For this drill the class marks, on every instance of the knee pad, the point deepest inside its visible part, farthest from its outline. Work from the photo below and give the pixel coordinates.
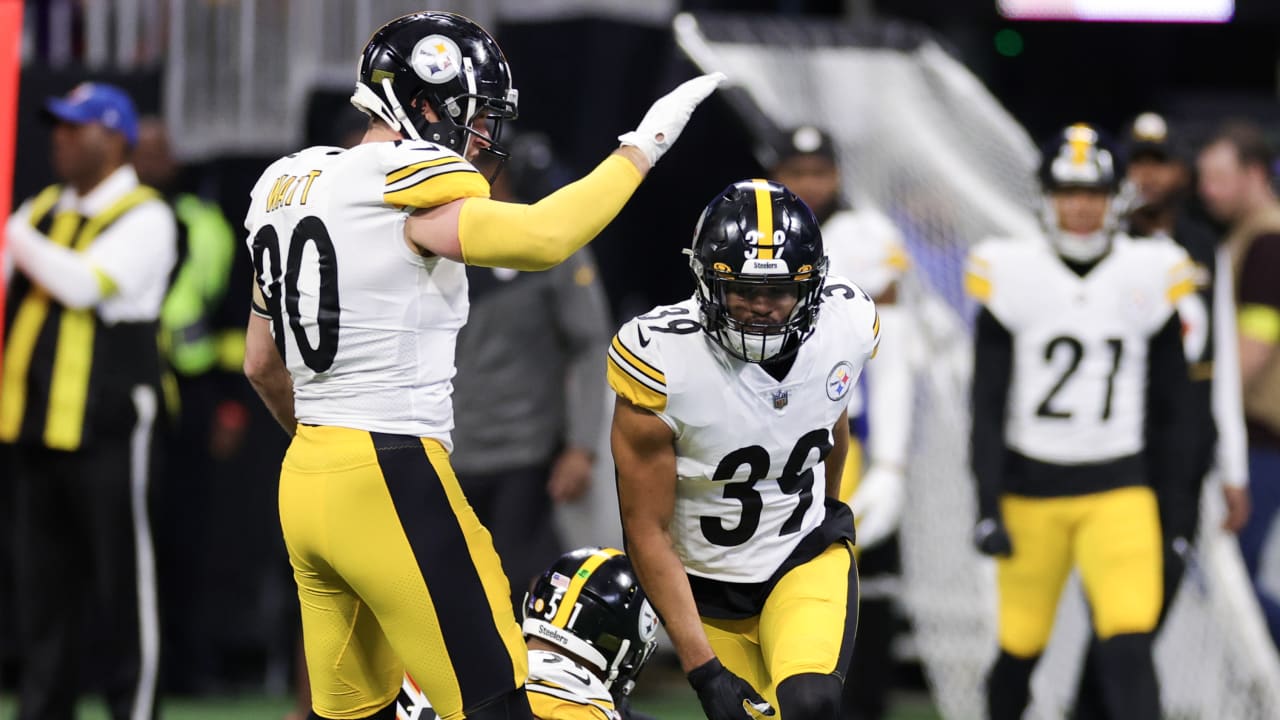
(1127, 677)
(810, 696)
(511, 706)
(1009, 686)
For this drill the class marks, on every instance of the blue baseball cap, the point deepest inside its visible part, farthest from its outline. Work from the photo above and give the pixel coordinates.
(99, 103)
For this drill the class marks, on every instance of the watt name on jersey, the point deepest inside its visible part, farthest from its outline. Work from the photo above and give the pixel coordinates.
(558, 688)
(365, 325)
(1078, 392)
(749, 448)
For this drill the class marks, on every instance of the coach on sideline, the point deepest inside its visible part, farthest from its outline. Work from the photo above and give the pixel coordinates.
(78, 404)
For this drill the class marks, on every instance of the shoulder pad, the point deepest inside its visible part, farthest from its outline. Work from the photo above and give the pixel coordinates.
(981, 265)
(851, 304)
(1179, 278)
(422, 174)
(635, 367)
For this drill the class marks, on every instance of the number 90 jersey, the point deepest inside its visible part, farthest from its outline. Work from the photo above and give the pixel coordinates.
(749, 448)
(1079, 385)
(366, 326)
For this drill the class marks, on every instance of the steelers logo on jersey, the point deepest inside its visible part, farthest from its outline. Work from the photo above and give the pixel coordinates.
(436, 59)
(839, 380)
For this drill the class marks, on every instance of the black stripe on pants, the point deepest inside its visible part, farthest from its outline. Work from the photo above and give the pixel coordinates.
(480, 659)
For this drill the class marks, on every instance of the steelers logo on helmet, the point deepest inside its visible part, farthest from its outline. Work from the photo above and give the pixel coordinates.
(757, 241)
(436, 59)
(648, 622)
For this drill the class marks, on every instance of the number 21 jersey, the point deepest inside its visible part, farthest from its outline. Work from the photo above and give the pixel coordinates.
(749, 448)
(1078, 391)
(366, 326)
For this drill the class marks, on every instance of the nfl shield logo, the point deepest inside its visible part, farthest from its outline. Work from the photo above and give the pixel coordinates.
(780, 399)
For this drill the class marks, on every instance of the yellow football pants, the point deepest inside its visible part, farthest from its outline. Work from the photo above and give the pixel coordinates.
(394, 573)
(807, 626)
(1112, 537)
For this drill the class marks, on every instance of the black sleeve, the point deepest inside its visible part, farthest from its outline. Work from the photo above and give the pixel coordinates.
(1171, 432)
(992, 370)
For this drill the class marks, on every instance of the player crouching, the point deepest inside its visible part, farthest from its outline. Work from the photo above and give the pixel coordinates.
(590, 630)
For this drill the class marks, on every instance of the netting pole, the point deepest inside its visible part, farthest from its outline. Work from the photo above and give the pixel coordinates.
(10, 61)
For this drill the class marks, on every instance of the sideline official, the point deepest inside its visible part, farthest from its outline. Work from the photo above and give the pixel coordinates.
(92, 256)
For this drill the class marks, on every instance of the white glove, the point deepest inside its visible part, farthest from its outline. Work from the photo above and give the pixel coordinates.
(668, 115)
(877, 504)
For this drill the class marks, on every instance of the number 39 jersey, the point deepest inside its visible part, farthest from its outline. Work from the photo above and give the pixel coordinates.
(749, 448)
(1078, 392)
(366, 326)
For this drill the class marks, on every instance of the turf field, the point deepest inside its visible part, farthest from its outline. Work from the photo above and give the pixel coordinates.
(677, 705)
(661, 693)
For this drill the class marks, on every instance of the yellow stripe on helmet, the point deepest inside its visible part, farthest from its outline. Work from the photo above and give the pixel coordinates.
(764, 219)
(580, 578)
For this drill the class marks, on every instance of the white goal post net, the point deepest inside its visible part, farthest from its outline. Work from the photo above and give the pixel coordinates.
(923, 141)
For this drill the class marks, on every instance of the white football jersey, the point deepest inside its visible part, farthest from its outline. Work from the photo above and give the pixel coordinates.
(558, 688)
(1078, 392)
(367, 326)
(865, 246)
(749, 448)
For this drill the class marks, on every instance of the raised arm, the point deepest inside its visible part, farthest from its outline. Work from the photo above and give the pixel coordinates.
(480, 231)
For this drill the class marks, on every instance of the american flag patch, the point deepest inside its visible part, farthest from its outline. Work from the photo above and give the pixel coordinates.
(559, 581)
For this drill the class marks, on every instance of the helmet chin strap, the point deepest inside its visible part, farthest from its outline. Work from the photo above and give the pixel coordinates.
(398, 111)
(468, 70)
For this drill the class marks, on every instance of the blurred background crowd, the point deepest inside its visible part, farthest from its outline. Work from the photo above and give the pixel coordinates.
(946, 152)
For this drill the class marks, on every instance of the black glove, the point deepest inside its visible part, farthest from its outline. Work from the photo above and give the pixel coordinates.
(725, 696)
(990, 537)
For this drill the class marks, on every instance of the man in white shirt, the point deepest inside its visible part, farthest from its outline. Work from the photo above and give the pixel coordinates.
(92, 257)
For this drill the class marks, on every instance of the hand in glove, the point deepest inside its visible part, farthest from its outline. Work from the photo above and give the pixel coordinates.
(668, 115)
(877, 504)
(725, 696)
(991, 538)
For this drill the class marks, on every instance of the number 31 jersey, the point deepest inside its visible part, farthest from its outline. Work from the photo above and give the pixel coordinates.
(366, 326)
(1078, 391)
(749, 448)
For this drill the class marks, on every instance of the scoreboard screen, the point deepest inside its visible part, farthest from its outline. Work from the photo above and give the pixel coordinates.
(1187, 11)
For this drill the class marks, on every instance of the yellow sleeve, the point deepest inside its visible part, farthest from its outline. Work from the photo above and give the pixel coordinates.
(546, 233)
(634, 372)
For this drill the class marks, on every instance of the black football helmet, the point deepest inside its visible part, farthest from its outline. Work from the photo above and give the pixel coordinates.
(590, 604)
(445, 61)
(757, 233)
(1078, 157)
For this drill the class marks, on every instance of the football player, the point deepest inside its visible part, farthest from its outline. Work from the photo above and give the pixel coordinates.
(728, 404)
(590, 631)
(1158, 178)
(864, 246)
(358, 257)
(1080, 404)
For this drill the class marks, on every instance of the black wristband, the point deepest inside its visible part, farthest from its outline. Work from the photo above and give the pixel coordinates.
(702, 674)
